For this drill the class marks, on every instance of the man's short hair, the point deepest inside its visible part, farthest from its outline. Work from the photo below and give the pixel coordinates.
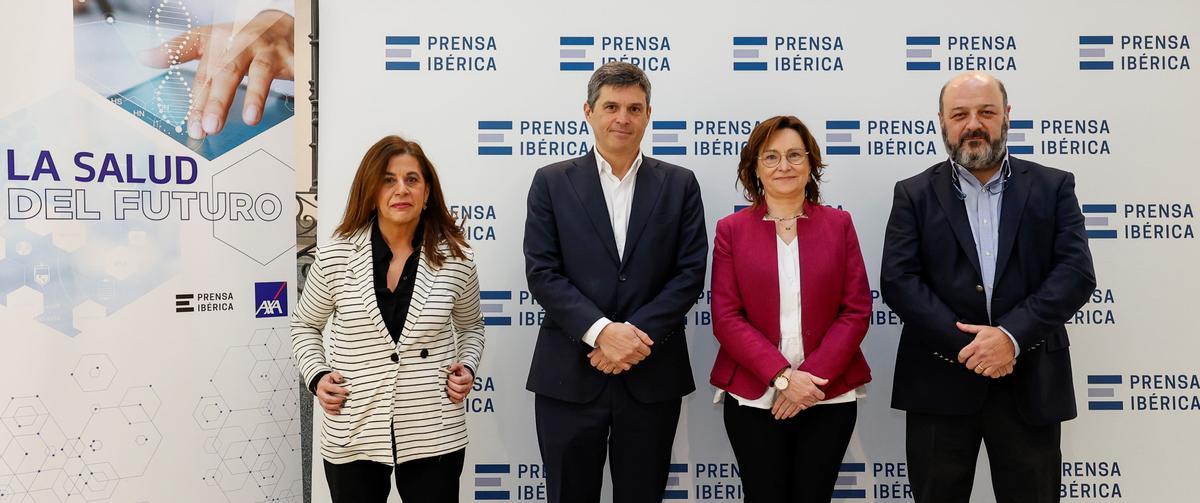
(616, 74)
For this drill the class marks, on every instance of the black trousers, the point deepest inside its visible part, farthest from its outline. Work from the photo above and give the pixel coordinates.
(427, 480)
(574, 439)
(793, 460)
(1026, 460)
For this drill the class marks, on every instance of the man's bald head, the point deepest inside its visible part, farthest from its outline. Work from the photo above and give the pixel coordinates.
(971, 79)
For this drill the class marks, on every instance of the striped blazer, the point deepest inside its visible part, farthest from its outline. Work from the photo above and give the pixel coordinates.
(388, 382)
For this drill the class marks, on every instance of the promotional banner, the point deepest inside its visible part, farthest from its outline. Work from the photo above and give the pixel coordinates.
(494, 91)
(146, 259)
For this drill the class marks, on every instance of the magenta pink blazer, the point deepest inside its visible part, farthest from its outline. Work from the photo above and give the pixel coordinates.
(835, 301)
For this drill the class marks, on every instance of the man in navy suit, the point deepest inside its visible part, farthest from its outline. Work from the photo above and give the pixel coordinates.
(615, 252)
(985, 259)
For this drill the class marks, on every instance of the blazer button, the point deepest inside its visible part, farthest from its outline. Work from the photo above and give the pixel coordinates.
(424, 353)
(979, 288)
(621, 278)
(395, 357)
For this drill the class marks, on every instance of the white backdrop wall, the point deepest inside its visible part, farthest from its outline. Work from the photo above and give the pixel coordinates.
(494, 90)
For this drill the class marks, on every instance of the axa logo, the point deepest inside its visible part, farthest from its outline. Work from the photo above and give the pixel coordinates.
(270, 299)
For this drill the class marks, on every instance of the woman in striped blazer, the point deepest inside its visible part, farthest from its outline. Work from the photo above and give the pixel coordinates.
(406, 336)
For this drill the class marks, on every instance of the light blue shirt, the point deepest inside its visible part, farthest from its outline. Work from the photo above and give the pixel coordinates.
(982, 202)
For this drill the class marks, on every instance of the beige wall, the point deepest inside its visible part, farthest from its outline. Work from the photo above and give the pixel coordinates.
(303, 72)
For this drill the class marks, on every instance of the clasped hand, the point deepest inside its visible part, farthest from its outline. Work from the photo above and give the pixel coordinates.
(801, 393)
(991, 354)
(619, 347)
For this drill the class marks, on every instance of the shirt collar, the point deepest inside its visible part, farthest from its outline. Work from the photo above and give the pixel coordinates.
(605, 168)
(999, 177)
(381, 252)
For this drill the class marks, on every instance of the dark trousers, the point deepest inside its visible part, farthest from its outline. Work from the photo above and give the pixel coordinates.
(637, 437)
(793, 460)
(426, 480)
(1026, 460)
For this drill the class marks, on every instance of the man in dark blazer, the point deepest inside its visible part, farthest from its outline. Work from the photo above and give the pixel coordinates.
(985, 259)
(615, 252)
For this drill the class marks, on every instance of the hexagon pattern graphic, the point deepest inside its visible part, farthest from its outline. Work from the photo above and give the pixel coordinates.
(67, 275)
(253, 421)
(253, 448)
(251, 228)
(94, 372)
(41, 463)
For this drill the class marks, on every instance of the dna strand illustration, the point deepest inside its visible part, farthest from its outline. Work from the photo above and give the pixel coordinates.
(173, 25)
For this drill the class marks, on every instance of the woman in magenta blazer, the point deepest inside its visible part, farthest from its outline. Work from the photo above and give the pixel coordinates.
(790, 305)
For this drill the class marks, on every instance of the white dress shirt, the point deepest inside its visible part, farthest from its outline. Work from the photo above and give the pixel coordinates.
(618, 197)
(983, 204)
(790, 342)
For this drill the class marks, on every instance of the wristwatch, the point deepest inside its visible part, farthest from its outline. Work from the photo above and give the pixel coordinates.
(781, 380)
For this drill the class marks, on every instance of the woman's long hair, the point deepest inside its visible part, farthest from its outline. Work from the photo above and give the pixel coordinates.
(438, 223)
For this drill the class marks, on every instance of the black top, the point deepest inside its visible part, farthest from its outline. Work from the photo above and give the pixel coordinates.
(393, 304)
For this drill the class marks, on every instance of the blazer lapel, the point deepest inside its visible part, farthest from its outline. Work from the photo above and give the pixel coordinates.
(584, 175)
(426, 276)
(362, 277)
(1011, 209)
(808, 235)
(956, 213)
(764, 265)
(646, 192)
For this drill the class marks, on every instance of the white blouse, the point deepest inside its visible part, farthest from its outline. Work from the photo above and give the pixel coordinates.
(790, 343)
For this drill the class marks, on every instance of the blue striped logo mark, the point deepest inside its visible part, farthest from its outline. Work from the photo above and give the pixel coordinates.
(1097, 219)
(492, 304)
(488, 478)
(748, 54)
(847, 484)
(750, 66)
(750, 41)
(1102, 392)
(923, 41)
(676, 488)
(403, 40)
(398, 52)
(1093, 52)
(492, 136)
(1018, 138)
(666, 137)
(838, 136)
(918, 53)
(573, 54)
(1095, 65)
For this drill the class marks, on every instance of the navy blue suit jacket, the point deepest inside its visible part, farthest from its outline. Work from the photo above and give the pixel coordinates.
(573, 271)
(931, 278)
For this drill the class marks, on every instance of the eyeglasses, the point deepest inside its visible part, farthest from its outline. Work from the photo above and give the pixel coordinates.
(772, 158)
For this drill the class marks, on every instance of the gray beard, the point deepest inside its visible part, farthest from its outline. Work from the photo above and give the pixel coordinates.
(979, 160)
